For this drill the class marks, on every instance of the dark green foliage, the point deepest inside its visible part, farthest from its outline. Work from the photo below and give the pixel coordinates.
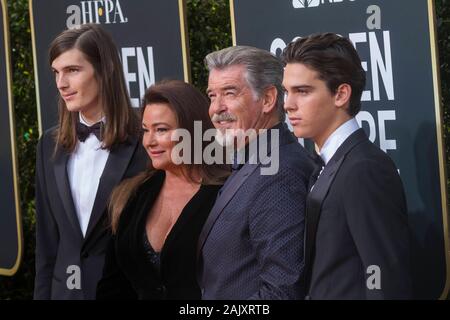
(209, 29)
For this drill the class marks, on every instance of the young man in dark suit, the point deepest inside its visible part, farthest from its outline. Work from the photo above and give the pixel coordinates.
(95, 145)
(357, 239)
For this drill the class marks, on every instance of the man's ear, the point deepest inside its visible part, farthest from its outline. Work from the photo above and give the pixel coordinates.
(269, 99)
(342, 96)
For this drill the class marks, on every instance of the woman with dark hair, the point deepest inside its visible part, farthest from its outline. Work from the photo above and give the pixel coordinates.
(157, 216)
(94, 146)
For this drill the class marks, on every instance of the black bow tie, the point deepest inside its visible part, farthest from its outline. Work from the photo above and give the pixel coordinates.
(83, 131)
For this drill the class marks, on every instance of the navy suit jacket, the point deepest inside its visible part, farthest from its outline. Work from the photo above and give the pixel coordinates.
(251, 246)
(59, 240)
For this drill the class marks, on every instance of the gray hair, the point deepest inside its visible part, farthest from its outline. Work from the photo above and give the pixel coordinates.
(263, 69)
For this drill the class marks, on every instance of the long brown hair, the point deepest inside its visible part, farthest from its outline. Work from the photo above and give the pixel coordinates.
(99, 49)
(189, 105)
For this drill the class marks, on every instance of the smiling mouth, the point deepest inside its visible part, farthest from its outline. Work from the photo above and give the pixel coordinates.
(68, 96)
(156, 153)
(224, 122)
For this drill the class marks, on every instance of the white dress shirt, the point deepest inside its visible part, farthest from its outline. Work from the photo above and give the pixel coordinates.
(84, 168)
(337, 138)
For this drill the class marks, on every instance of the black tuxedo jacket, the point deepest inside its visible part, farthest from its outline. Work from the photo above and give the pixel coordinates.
(60, 245)
(356, 221)
(128, 274)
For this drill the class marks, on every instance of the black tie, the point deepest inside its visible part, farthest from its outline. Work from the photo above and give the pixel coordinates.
(83, 131)
(319, 164)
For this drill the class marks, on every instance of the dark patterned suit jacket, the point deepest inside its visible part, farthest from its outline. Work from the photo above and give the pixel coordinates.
(251, 246)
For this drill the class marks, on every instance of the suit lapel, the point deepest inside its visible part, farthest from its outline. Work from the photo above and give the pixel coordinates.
(318, 194)
(229, 190)
(314, 204)
(65, 193)
(225, 195)
(115, 168)
(193, 207)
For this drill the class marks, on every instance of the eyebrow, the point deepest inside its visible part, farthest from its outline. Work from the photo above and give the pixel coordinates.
(227, 87)
(156, 124)
(68, 67)
(300, 86)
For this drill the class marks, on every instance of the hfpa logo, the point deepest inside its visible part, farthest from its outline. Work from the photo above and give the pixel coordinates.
(298, 4)
(97, 11)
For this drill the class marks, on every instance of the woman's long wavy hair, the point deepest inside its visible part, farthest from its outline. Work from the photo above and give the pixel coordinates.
(99, 49)
(189, 105)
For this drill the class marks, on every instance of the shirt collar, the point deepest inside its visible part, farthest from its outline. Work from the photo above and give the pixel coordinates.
(338, 137)
(103, 119)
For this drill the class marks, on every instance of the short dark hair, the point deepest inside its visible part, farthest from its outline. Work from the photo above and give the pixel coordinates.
(336, 61)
